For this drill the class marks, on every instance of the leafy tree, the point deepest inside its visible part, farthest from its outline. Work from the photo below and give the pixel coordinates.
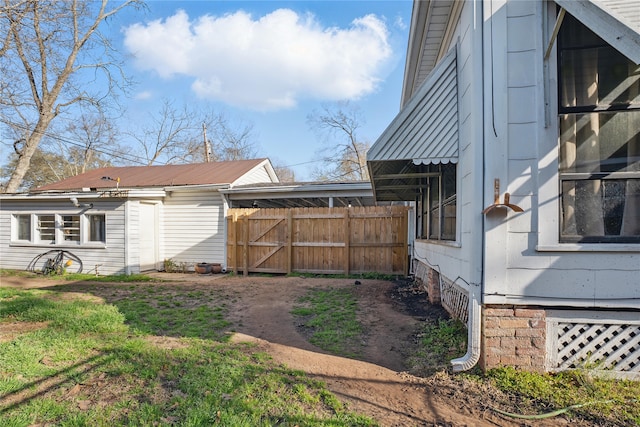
(344, 155)
(49, 50)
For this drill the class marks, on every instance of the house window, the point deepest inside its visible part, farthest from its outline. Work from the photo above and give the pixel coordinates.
(46, 228)
(96, 227)
(437, 203)
(71, 228)
(23, 227)
(599, 116)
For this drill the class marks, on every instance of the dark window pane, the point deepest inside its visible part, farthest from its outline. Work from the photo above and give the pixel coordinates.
(601, 210)
(598, 77)
(97, 228)
(600, 142)
(24, 227)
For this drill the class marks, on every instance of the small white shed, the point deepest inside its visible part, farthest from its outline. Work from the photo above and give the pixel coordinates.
(124, 220)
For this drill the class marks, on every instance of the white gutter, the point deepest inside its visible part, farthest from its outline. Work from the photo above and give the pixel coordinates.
(195, 187)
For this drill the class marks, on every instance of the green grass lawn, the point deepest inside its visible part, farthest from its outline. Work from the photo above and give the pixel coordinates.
(83, 365)
(155, 356)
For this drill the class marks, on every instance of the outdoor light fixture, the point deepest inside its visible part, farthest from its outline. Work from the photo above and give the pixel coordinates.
(108, 178)
(77, 204)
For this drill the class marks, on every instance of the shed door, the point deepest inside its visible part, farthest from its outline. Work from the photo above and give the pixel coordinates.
(148, 237)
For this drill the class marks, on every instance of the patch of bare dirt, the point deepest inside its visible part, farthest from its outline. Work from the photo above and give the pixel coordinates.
(379, 384)
(11, 330)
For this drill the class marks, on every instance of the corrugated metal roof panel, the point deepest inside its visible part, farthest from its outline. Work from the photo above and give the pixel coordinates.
(424, 132)
(156, 176)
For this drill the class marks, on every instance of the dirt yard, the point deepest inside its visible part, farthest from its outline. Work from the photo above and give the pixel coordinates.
(380, 384)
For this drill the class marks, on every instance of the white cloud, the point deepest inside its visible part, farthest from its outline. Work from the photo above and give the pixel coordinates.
(267, 63)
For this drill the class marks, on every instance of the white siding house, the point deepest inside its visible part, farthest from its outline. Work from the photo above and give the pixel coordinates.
(539, 102)
(126, 220)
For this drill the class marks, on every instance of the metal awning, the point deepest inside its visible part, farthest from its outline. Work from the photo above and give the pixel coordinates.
(424, 132)
(616, 22)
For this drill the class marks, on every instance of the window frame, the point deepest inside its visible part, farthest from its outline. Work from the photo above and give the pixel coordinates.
(79, 229)
(587, 109)
(88, 233)
(427, 206)
(549, 203)
(40, 227)
(16, 225)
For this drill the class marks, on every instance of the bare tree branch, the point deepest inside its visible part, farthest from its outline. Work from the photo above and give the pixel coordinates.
(344, 155)
(41, 57)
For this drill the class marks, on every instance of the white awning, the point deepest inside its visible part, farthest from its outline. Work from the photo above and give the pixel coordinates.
(424, 132)
(616, 21)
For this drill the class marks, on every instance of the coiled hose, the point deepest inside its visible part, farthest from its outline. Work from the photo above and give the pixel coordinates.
(56, 261)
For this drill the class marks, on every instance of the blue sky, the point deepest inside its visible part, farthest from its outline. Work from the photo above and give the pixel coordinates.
(270, 64)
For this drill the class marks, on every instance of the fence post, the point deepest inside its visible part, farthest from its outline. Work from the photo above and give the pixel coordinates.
(289, 240)
(234, 254)
(404, 230)
(245, 248)
(347, 243)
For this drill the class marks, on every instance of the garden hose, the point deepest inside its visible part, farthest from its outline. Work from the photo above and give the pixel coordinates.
(549, 414)
(56, 264)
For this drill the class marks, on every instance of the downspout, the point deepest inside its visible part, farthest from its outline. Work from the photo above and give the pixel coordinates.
(225, 209)
(474, 322)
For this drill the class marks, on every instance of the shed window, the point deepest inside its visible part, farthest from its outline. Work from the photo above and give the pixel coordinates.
(437, 203)
(96, 225)
(23, 227)
(71, 228)
(599, 115)
(47, 228)
(60, 229)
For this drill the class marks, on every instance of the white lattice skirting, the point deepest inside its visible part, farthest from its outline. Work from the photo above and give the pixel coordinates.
(455, 300)
(608, 341)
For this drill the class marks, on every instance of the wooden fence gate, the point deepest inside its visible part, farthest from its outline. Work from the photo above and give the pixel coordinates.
(318, 240)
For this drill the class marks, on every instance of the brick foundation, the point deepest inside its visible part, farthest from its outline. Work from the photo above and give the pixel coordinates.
(513, 336)
(429, 279)
(433, 287)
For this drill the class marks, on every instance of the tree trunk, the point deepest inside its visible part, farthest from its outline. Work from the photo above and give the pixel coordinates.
(24, 159)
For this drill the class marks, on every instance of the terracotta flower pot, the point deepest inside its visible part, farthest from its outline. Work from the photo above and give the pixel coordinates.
(203, 268)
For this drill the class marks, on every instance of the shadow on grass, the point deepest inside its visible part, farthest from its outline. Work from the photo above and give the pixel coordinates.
(163, 310)
(44, 385)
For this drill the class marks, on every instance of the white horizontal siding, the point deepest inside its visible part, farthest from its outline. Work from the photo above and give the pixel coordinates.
(108, 259)
(192, 227)
(258, 175)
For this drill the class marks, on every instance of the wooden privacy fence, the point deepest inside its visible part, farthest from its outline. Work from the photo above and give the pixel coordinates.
(318, 240)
